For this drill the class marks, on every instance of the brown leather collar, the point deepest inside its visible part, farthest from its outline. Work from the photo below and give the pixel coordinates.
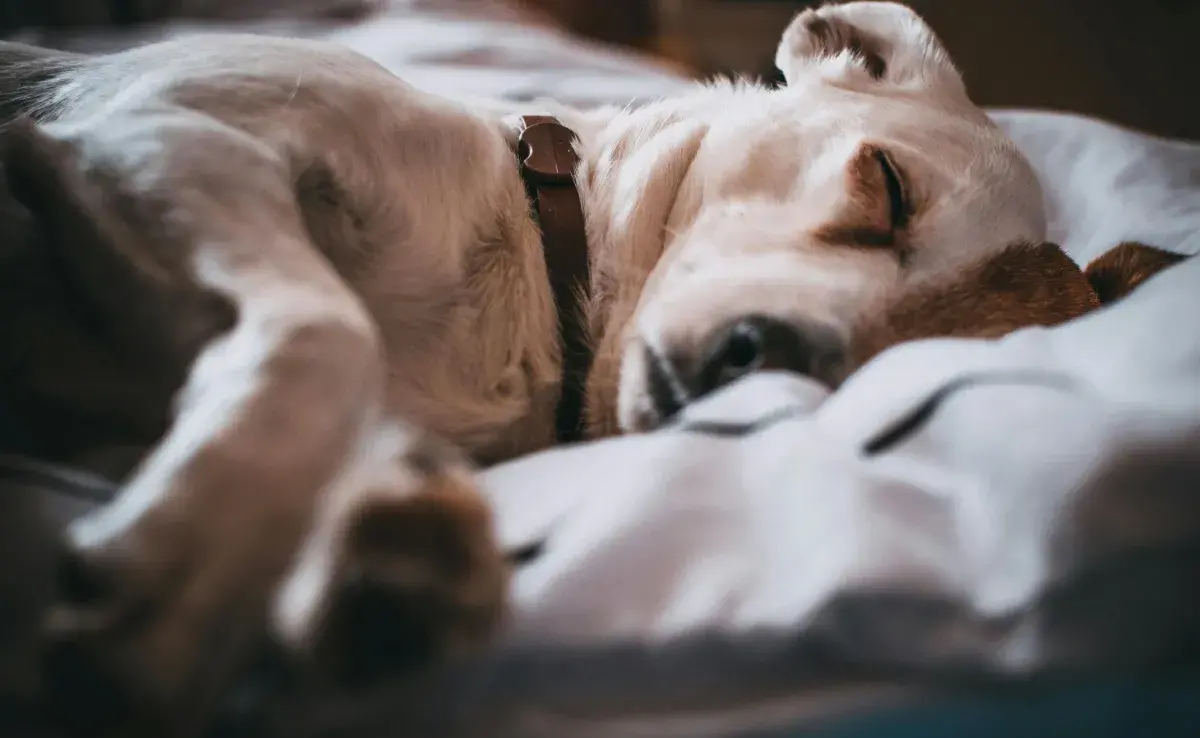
(548, 161)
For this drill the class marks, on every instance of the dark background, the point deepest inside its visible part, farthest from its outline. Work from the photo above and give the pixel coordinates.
(1136, 62)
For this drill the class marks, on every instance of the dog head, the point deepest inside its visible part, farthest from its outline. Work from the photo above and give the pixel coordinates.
(864, 203)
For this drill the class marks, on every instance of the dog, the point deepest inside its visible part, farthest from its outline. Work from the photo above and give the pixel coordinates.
(309, 299)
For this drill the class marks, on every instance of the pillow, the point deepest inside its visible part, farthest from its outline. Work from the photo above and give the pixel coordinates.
(1105, 184)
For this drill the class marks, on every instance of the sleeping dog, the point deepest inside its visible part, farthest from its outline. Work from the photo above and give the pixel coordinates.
(308, 298)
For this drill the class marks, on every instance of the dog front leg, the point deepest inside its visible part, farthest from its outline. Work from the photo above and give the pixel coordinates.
(168, 586)
(165, 592)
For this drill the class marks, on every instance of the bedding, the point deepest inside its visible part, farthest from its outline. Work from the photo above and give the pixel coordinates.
(961, 515)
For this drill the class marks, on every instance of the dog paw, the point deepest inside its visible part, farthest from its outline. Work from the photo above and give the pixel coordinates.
(165, 606)
(405, 574)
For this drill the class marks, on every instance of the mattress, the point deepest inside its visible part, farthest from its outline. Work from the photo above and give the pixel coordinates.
(962, 514)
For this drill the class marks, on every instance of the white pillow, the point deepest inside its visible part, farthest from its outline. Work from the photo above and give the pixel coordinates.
(1105, 184)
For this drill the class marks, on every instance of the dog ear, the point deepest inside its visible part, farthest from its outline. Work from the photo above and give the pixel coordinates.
(1023, 285)
(1121, 270)
(864, 43)
(1035, 284)
(812, 36)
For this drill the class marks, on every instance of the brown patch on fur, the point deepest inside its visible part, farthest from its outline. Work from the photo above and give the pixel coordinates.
(835, 37)
(873, 214)
(1122, 269)
(1024, 285)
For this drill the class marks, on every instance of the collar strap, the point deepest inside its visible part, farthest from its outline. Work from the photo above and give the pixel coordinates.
(547, 162)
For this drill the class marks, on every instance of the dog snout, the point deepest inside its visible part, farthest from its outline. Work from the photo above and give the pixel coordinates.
(761, 343)
(750, 344)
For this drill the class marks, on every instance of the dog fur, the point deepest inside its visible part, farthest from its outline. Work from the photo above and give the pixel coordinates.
(313, 297)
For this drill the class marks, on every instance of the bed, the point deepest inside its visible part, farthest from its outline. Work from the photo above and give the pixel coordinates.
(969, 538)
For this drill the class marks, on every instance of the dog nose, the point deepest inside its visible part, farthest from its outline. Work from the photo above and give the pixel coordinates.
(748, 345)
(758, 342)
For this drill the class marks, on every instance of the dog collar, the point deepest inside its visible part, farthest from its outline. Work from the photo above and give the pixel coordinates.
(546, 149)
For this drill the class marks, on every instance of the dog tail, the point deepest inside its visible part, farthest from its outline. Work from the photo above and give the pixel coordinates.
(28, 77)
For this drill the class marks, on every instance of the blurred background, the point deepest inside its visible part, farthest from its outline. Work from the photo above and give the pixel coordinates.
(1136, 62)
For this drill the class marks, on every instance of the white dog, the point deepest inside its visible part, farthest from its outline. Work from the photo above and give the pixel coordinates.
(298, 271)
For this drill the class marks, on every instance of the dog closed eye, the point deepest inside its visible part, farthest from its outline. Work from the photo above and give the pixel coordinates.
(897, 191)
(877, 207)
